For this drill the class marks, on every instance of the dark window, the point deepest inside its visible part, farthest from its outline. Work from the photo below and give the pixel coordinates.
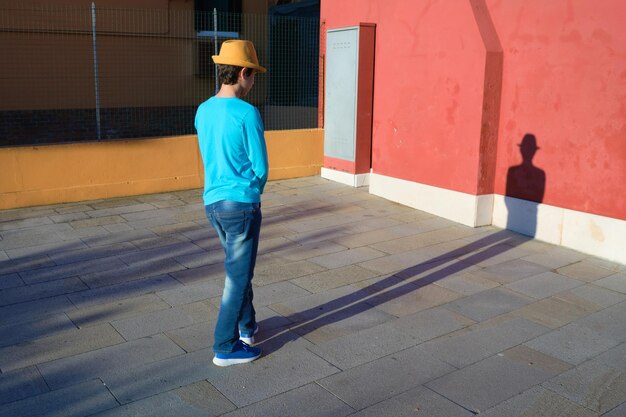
(226, 22)
(204, 49)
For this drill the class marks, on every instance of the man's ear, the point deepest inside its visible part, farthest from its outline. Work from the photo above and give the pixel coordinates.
(242, 73)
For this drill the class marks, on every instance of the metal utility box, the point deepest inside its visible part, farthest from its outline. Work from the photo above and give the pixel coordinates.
(349, 98)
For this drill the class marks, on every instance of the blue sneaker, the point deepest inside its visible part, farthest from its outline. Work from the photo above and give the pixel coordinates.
(248, 336)
(242, 353)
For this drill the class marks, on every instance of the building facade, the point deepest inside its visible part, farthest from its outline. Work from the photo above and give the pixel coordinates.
(506, 113)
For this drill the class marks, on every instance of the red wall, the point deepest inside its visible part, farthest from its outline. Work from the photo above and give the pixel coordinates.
(562, 78)
(564, 81)
(428, 81)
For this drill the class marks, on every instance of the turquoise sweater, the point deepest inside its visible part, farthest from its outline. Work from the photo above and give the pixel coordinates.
(232, 144)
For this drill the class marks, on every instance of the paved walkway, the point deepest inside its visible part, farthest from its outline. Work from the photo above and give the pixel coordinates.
(366, 308)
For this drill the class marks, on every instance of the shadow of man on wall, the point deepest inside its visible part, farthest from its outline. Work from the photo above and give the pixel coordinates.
(524, 182)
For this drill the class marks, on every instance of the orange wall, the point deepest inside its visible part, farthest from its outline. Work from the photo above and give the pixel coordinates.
(75, 172)
(146, 52)
(443, 116)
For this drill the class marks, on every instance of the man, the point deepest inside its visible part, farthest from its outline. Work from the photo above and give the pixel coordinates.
(232, 144)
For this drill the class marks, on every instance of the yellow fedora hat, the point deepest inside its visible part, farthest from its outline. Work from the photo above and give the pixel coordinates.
(240, 53)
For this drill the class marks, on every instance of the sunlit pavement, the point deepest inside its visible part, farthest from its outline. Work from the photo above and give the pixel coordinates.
(366, 308)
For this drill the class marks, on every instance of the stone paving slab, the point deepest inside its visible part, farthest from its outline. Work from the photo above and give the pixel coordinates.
(270, 274)
(214, 273)
(500, 253)
(388, 338)
(412, 242)
(379, 224)
(192, 293)
(348, 257)
(159, 241)
(416, 402)
(592, 297)
(199, 259)
(11, 266)
(34, 310)
(555, 257)
(178, 230)
(366, 307)
(76, 401)
(608, 322)
(376, 381)
(26, 213)
(149, 268)
(87, 254)
(146, 380)
(142, 229)
(584, 271)
(341, 322)
(69, 217)
(37, 247)
(466, 283)
(552, 312)
(12, 334)
(360, 239)
(584, 338)
(494, 380)
(480, 341)
(195, 337)
(596, 386)
(318, 237)
(85, 221)
(161, 321)
(606, 264)
(544, 285)
(123, 291)
(73, 269)
(276, 293)
(10, 281)
(334, 278)
(63, 345)
(615, 358)
(38, 291)
(279, 373)
(121, 237)
(21, 383)
(122, 208)
(122, 357)
(573, 343)
(303, 251)
(24, 224)
(510, 271)
(105, 313)
(538, 401)
(489, 304)
(175, 250)
(409, 298)
(618, 411)
(199, 399)
(397, 262)
(310, 400)
(615, 282)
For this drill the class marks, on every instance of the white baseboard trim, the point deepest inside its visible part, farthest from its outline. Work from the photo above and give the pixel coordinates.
(470, 210)
(541, 221)
(600, 236)
(595, 235)
(353, 180)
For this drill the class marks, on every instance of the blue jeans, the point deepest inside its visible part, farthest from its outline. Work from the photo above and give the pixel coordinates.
(238, 226)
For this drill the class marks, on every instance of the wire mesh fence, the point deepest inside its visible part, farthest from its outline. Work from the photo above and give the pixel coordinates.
(73, 74)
